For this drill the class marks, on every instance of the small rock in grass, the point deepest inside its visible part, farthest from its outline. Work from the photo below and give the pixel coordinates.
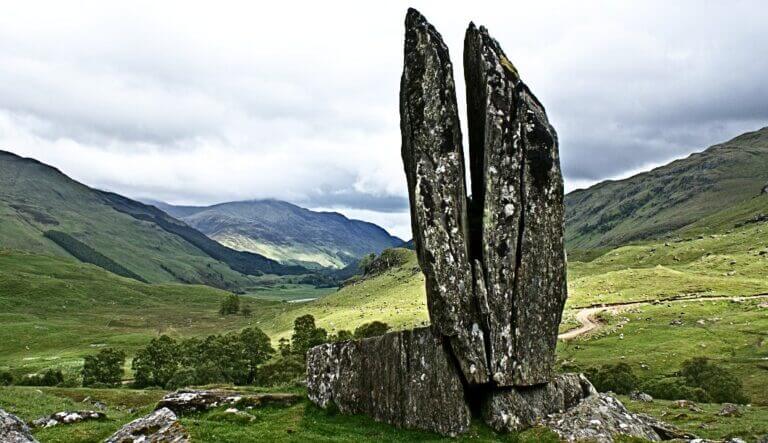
(640, 396)
(730, 410)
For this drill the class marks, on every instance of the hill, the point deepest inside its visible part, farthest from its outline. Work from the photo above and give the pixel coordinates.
(44, 211)
(655, 203)
(287, 233)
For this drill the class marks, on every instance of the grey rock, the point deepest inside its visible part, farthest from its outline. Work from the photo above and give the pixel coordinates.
(161, 425)
(730, 410)
(517, 214)
(192, 400)
(434, 166)
(765, 189)
(405, 378)
(640, 396)
(14, 430)
(599, 418)
(518, 408)
(67, 418)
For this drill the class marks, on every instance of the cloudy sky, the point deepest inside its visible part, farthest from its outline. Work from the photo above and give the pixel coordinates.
(197, 104)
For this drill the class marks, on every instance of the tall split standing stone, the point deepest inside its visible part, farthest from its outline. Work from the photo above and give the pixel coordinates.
(494, 263)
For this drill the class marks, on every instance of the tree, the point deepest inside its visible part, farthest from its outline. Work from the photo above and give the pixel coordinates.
(246, 311)
(257, 348)
(6, 378)
(156, 363)
(230, 305)
(372, 329)
(342, 335)
(306, 334)
(365, 263)
(721, 386)
(104, 368)
(284, 347)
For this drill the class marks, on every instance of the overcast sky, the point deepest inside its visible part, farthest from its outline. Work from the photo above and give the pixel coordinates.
(299, 100)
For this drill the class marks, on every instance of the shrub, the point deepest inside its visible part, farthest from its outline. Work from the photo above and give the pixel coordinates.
(673, 388)
(104, 368)
(6, 378)
(720, 385)
(281, 371)
(284, 347)
(617, 378)
(230, 305)
(372, 329)
(342, 335)
(51, 377)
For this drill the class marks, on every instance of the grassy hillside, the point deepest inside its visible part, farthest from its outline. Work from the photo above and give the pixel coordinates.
(668, 198)
(140, 240)
(286, 232)
(54, 310)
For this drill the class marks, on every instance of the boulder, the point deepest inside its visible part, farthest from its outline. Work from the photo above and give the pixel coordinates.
(405, 378)
(14, 430)
(517, 214)
(67, 418)
(599, 418)
(514, 409)
(434, 168)
(640, 396)
(730, 410)
(161, 426)
(192, 400)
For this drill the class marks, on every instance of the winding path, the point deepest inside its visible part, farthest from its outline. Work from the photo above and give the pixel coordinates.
(586, 315)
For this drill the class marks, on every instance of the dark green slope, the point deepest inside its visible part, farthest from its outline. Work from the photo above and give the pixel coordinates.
(286, 232)
(669, 198)
(124, 236)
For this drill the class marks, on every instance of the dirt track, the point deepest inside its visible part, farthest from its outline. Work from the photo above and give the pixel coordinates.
(586, 316)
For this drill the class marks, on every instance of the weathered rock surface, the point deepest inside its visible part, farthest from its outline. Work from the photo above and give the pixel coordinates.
(161, 425)
(67, 418)
(514, 409)
(191, 400)
(403, 378)
(517, 191)
(14, 430)
(434, 166)
(601, 418)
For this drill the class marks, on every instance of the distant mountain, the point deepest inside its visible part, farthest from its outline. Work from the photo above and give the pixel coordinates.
(44, 211)
(285, 232)
(672, 197)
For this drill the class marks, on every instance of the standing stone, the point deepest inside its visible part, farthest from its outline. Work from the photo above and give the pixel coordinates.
(517, 215)
(14, 430)
(402, 378)
(434, 166)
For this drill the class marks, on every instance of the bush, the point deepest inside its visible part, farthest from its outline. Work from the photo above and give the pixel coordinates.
(617, 378)
(51, 377)
(720, 385)
(372, 329)
(342, 335)
(673, 388)
(230, 305)
(6, 378)
(104, 368)
(281, 371)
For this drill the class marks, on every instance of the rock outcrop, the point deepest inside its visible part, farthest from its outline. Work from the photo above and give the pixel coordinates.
(67, 418)
(194, 400)
(161, 425)
(402, 378)
(514, 409)
(14, 430)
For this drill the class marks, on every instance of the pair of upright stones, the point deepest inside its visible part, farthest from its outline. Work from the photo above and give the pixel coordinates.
(494, 263)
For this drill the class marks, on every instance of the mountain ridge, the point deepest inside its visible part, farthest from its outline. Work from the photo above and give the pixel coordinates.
(658, 202)
(36, 198)
(287, 232)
